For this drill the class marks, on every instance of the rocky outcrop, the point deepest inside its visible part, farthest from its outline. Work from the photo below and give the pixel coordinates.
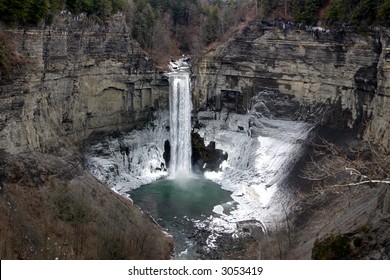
(205, 158)
(335, 78)
(79, 76)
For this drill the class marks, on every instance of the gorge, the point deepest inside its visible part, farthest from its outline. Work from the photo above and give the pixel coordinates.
(87, 100)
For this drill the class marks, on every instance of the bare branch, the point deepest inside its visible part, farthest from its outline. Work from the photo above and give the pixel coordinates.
(332, 166)
(364, 182)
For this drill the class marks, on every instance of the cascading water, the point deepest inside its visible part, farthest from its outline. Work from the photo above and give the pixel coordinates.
(180, 123)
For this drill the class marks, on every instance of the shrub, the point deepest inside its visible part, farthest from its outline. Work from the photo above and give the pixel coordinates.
(332, 248)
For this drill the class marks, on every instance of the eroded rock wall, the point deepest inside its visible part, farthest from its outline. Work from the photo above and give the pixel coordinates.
(336, 78)
(68, 81)
(79, 76)
(379, 108)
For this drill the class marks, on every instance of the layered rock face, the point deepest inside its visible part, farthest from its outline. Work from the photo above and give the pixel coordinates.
(335, 78)
(379, 108)
(73, 79)
(79, 77)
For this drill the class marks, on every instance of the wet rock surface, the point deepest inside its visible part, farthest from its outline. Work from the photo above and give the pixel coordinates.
(206, 158)
(208, 245)
(203, 158)
(226, 247)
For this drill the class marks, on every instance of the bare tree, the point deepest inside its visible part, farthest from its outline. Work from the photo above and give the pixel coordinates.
(332, 166)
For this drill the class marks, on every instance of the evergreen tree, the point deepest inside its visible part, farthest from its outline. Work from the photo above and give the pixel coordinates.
(75, 6)
(118, 5)
(384, 12)
(305, 11)
(38, 11)
(143, 23)
(23, 11)
(212, 26)
(14, 11)
(102, 8)
(359, 13)
(266, 6)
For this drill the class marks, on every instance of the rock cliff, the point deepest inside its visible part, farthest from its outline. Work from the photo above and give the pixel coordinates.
(73, 79)
(79, 76)
(335, 78)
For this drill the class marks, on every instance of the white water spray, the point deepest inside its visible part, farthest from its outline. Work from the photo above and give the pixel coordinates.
(180, 123)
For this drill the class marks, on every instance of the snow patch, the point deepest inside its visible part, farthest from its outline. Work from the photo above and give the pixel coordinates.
(256, 166)
(218, 209)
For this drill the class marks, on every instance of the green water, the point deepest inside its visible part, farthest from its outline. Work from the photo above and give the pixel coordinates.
(176, 204)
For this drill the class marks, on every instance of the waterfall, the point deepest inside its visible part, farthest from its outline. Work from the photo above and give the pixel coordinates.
(180, 123)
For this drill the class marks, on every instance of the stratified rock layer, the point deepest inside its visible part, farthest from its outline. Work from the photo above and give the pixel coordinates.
(336, 78)
(73, 79)
(78, 77)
